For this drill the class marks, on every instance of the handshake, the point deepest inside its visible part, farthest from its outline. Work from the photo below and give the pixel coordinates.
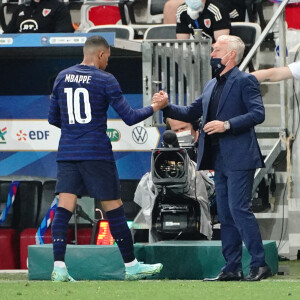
(159, 100)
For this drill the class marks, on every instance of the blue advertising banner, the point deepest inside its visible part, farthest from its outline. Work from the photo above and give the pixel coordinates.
(28, 144)
(50, 39)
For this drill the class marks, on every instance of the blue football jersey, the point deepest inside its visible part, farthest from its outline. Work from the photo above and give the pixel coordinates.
(79, 102)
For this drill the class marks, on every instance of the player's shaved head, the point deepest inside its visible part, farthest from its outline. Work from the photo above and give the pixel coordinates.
(96, 52)
(94, 44)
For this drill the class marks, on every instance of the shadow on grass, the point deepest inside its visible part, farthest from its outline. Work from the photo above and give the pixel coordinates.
(288, 270)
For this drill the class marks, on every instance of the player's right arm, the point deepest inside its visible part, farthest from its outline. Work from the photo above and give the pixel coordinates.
(116, 99)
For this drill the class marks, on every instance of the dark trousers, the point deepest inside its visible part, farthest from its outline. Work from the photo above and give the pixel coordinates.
(238, 223)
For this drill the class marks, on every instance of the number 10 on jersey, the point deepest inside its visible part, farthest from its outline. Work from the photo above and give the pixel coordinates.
(73, 104)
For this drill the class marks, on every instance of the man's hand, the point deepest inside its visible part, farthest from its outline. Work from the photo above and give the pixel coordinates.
(159, 101)
(214, 127)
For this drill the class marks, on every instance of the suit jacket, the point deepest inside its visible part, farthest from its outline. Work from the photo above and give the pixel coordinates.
(240, 104)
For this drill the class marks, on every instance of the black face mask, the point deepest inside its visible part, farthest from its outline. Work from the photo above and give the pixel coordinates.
(217, 66)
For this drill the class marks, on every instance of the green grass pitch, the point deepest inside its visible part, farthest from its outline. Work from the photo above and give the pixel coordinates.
(16, 286)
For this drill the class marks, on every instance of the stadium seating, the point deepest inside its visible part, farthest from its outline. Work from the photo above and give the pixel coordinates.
(7, 7)
(9, 250)
(48, 196)
(163, 31)
(27, 204)
(84, 236)
(154, 11)
(4, 189)
(100, 12)
(249, 33)
(122, 31)
(27, 236)
(32, 201)
(128, 188)
(24, 211)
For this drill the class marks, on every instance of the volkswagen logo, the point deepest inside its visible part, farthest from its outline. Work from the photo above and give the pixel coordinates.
(140, 135)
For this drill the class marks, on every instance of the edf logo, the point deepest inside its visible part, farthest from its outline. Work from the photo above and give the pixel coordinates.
(38, 135)
(33, 135)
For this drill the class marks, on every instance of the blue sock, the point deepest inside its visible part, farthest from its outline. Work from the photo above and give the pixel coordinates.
(59, 229)
(121, 233)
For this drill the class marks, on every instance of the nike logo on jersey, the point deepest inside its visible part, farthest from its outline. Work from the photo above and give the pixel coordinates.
(21, 13)
(78, 78)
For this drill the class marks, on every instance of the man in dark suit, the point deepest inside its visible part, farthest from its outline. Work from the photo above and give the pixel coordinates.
(231, 105)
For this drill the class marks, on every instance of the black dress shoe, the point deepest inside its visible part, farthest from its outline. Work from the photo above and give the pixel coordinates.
(227, 276)
(258, 273)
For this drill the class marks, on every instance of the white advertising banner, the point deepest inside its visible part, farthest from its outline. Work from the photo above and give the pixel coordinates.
(39, 135)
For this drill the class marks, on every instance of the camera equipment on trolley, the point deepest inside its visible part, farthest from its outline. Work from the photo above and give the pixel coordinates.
(174, 213)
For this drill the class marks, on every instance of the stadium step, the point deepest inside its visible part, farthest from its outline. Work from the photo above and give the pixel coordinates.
(191, 260)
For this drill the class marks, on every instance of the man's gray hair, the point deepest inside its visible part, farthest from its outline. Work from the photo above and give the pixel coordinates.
(234, 43)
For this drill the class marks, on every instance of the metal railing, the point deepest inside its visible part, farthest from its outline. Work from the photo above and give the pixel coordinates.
(279, 144)
(280, 15)
(179, 67)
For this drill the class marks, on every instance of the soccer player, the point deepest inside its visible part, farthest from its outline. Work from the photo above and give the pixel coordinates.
(79, 102)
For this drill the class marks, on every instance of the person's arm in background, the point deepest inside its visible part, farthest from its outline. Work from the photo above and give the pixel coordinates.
(221, 23)
(182, 36)
(170, 9)
(218, 33)
(182, 30)
(12, 27)
(63, 19)
(273, 74)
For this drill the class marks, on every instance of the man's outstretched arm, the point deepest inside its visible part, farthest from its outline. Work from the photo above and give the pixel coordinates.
(273, 74)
